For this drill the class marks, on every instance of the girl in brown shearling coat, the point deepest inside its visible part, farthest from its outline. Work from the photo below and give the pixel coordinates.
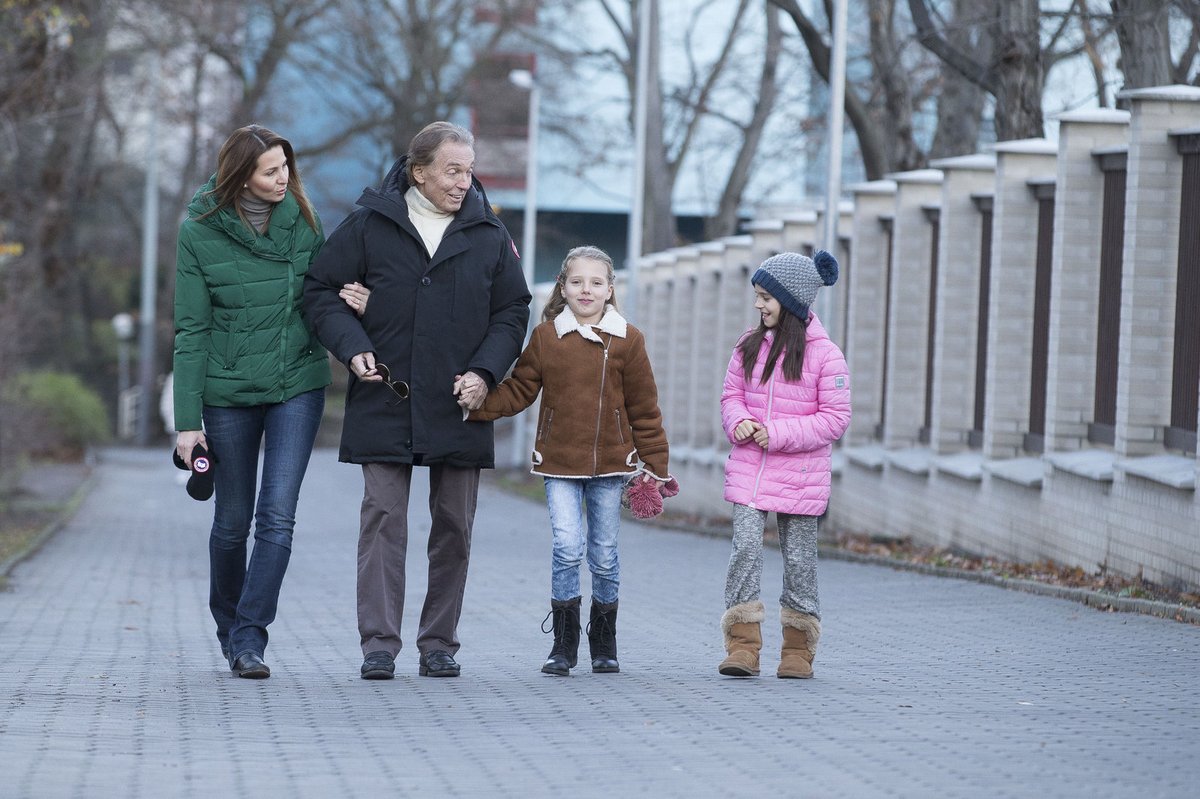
(599, 416)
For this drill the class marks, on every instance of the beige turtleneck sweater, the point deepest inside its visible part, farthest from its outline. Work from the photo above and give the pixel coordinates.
(427, 219)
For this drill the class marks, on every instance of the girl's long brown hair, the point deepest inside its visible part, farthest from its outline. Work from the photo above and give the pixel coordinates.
(556, 301)
(790, 335)
(236, 163)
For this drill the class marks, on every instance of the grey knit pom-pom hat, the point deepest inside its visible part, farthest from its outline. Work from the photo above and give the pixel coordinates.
(793, 279)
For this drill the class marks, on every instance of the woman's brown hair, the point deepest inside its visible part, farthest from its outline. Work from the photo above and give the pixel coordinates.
(237, 161)
(556, 301)
(790, 335)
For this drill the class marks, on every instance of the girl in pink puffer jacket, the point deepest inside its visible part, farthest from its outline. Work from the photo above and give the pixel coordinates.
(785, 401)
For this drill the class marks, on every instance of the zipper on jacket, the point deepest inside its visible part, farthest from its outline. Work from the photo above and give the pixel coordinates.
(762, 464)
(545, 434)
(283, 338)
(600, 409)
(620, 431)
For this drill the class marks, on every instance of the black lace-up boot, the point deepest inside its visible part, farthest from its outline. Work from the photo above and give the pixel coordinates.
(602, 637)
(565, 654)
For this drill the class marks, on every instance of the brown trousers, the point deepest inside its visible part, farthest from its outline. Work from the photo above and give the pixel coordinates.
(383, 545)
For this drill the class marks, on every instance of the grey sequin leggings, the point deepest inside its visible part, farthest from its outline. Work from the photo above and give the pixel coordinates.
(797, 542)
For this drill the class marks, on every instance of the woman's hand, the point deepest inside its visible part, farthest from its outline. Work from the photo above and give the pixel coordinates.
(745, 429)
(356, 296)
(185, 442)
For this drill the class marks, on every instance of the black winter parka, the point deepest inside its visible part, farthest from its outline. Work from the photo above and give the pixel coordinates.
(428, 319)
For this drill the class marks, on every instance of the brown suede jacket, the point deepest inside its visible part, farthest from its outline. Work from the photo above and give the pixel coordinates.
(599, 411)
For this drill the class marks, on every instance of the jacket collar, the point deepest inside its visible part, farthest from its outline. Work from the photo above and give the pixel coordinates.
(612, 323)
(389, 200)
(275, 245)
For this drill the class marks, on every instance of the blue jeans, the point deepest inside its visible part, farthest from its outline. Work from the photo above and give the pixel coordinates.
(243, 598)
(566, 498)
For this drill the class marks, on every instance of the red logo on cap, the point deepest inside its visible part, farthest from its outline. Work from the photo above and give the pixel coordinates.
(200, 464)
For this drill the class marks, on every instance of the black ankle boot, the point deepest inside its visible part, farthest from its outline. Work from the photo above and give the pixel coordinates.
(602, 637)
(565, 653)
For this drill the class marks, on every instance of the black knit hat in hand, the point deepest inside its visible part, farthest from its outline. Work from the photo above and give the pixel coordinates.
(200, 484)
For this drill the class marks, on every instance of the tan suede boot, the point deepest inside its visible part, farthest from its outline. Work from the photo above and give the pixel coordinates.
(800, 635)
(742, 626)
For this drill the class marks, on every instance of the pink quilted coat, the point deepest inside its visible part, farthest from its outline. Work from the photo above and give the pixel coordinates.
(803, 419)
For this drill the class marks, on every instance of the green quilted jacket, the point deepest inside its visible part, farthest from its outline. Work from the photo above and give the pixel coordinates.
(240, 338)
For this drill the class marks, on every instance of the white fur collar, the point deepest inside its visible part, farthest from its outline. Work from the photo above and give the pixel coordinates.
(612, 323)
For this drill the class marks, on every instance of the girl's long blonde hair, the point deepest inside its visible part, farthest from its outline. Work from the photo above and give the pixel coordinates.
(556, 301)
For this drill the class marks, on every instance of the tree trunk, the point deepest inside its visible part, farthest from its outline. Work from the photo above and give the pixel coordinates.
(725, 221)
(871, 142)
(893, 81)
(960, 103)
(1018, 58)
(1145, 42)
(1013, 73)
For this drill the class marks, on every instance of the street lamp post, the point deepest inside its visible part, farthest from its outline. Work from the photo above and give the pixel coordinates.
(633, 244)
(833, 185)
(524, 79)
(146, 353)
(123, 328)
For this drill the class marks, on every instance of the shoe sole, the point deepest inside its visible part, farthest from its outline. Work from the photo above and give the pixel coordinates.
(254, 674)
(425, 671)
(738, 671)
(606, 669)
(378, 674)
(556, 672)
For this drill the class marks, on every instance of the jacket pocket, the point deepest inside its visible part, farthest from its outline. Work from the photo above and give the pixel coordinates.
(547, 419)
(235, 339)
(620, 427)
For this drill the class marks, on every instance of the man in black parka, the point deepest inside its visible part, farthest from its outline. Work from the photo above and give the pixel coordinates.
(446, 317)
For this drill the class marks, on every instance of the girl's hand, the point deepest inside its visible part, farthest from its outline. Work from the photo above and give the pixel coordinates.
(745, 429)
(760, 437)
(356, 296)
(185, 441)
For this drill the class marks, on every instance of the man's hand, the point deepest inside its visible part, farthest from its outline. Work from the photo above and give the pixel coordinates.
(363, 366)
(471, 390)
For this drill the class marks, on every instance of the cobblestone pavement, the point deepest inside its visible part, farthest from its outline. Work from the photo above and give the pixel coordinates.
(112, 683)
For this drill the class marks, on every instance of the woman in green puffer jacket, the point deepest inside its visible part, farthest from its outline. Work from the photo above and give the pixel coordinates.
(247, 371)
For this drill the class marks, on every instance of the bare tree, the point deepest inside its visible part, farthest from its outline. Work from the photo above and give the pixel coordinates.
(1145, 41)
(872, 144)
(960, 102)
(677, 113)
(725, 221)
(385, 68)
(1014, 73)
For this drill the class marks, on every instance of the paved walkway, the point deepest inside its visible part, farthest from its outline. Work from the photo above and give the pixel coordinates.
(111, 682)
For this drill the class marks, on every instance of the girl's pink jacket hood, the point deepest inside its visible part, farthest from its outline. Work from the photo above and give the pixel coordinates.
(803, 419)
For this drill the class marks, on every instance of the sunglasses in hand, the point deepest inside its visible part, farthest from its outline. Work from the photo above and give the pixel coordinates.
(398, 386)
